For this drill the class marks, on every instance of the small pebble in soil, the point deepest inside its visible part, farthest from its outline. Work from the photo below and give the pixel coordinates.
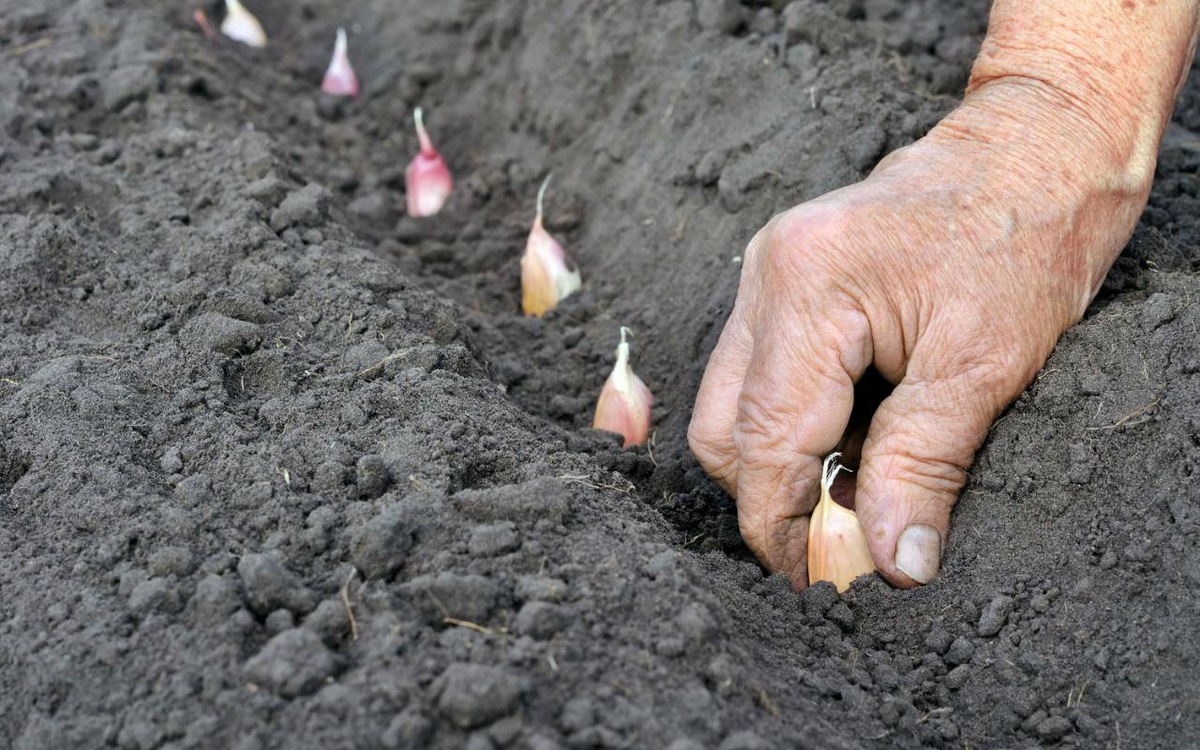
(473, 694)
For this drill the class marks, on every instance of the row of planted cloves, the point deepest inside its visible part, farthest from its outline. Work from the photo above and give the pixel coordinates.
(837, 545)
(547, 276)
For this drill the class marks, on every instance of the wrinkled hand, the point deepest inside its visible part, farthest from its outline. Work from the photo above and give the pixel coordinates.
(952, 269)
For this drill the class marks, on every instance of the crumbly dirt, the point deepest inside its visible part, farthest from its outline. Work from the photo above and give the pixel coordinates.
(283, 468)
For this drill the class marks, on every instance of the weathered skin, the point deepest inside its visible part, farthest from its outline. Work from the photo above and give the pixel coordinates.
(952, 269)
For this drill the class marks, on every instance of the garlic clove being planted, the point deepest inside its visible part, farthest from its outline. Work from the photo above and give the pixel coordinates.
(339, 77)
(837, 545)
(624, 405)
(546, 278)
(240, 25)
(427, 177)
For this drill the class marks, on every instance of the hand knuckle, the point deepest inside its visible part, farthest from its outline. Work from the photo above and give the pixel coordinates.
(758, 429)
(992, 370)
(927, 477)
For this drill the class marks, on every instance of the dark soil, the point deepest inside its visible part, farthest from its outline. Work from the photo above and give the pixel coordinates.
(242, 396)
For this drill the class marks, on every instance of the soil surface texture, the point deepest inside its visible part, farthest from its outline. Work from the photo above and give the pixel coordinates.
(281, 467)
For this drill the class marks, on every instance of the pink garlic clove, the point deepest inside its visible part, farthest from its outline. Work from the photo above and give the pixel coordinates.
(837, 545)
(624, 404)
(546, 277)
(339, 77)
(427, 177)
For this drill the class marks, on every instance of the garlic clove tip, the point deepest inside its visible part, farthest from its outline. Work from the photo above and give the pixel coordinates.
(340, 79)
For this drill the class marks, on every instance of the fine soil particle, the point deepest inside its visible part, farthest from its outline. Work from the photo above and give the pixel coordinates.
(283, 468)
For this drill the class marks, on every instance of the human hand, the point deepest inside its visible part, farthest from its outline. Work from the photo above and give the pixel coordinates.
(952, 269)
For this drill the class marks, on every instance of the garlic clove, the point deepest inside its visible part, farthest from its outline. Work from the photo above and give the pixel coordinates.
(837, 544)
(240, 25)
(546, 276)
(340, 79)
(427, 178)
(624, 404)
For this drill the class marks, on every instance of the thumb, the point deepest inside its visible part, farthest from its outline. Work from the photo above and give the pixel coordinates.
(921, 442)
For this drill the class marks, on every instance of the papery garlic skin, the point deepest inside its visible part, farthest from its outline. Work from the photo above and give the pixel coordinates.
(546, 276)
(340, 79)
(240, 25)
(837, 544)
(427, 178)
(625, 401)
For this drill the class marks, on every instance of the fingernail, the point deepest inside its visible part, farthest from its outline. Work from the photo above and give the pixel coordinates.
(919, 552)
